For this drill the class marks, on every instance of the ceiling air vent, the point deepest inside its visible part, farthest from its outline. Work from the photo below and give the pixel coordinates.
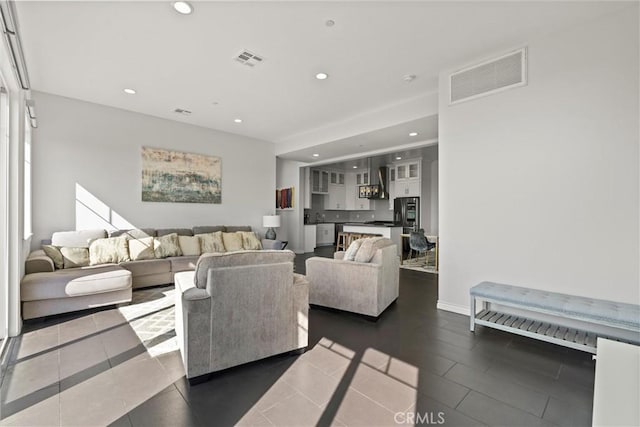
(248, 58)
(182, 111)
(497, 74)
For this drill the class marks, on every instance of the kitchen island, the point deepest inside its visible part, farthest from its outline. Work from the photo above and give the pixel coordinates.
(389, 231)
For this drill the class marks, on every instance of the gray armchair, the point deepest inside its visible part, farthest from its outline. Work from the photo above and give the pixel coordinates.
(360, 287)
(239, 307)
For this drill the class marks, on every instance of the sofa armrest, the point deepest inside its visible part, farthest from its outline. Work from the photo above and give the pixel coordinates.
(192, 323)
(322, 262)
(301, 310)
(38, 262)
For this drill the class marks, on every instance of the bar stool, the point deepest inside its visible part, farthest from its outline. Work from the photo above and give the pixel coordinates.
(341, 244)
(353, 237)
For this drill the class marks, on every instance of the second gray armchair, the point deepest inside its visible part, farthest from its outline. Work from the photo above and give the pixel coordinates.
(360, 287)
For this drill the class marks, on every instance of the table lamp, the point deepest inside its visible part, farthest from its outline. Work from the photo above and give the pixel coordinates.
(271, 222)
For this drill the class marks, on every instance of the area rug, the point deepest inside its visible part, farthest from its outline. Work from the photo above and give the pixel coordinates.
(418, 266)
(151, 315)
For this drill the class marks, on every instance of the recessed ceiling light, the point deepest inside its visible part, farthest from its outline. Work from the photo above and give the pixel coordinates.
(182, 7)
(316, 155)
(130, 91)
(237, 120)
(398, 158)
(355, 167)
(330, 23)
(413, 134)
(322, 76)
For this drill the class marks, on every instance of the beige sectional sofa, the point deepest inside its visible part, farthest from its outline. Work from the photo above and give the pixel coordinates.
(46, 290)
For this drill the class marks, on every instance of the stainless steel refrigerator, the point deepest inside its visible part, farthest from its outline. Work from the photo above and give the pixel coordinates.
(406, 213)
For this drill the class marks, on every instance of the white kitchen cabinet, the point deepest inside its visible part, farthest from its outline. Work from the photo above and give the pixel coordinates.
(404, 180)
(392, 186)
(409, 188)
(336, 178)
(309, 237)
(353, 202)
(351, 191)
(325, 234)
(362, 204)
(362, 178)
(407, 171)
(319, 181)
(336, 198)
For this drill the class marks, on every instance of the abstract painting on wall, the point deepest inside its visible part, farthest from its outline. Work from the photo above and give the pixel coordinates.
(175, 176)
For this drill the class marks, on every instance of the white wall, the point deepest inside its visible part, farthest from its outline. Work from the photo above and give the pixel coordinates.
(539, 185)
(92, 152)
(289, 174)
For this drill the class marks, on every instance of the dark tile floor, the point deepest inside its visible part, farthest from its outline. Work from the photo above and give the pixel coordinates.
(415, 365)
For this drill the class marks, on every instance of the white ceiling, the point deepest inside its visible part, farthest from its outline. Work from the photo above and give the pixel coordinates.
(93, 50)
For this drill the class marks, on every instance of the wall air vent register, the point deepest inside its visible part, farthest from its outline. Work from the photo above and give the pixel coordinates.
(495, 75)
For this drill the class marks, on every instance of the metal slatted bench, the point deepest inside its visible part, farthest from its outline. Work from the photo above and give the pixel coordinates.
(616, 316)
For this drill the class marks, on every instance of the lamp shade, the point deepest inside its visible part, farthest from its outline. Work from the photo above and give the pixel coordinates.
(271, 221)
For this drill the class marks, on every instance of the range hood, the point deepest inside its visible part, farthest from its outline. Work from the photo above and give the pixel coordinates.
(378, 189)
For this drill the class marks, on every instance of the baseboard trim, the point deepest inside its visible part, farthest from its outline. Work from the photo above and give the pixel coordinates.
(455, 308)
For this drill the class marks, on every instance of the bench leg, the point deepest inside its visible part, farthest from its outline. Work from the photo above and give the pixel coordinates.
(472, 315)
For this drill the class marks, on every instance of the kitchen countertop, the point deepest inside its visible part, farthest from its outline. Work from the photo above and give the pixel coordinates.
(364, 224)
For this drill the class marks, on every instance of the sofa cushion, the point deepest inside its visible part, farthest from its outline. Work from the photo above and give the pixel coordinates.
(211, 242)
(74, 282)
(76, 239)
(234, 228)
(109, 250)
(232, 241)
(54, 253)
(142, 248)
(75, 257)
(134, 233)
(147, 266)
(250, 240)
(166, 246)
(204, 229)
(190, 245)
(232, 259)
(178, 231)
(183, 263)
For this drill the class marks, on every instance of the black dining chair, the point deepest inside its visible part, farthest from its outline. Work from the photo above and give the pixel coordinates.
(418, 242)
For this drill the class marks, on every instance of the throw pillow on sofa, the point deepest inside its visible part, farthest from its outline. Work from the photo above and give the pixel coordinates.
(141, 249)
(54, 253)
(108, 250)
(211, 242)
(232, 241)
(190, 245)
(167, 245)
(368, 249)
(250, 240)
(352, 250)
(75, 257)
